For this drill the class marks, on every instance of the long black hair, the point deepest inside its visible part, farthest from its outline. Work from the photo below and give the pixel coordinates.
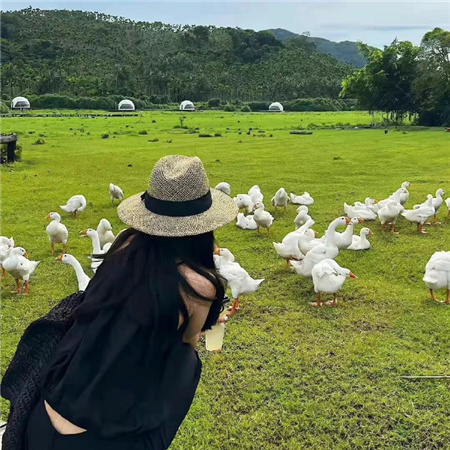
(141, 273)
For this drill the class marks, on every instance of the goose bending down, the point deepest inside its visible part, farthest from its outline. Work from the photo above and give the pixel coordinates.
(328, 278)
(115, 193)
(244, 201)
(82, 278)
(289, 248)
(6, 245)
(104, 231)
(361, 242)
(96, 249)
(246, 222)
(75, 204)
(256, 194)
(404, 193)
(57, 232)
(20, 267)
(280, 199)
(302, 216)
(420, 214)
(224, 187)
(389, 213)
(238, 279)
(262, 218)
(304, 199)
(437, 274)
(436, 203)
(360, 211)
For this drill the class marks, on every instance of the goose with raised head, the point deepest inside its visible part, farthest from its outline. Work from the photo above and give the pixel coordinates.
(302, 216)
(420, 214)
(281, 199)
(224, 187)
(344, 240)
(82, 278)
(115, 193)
(403, 197)
(96, 249)
(437, 274)
(76, 203)
(104, 231)
(262, 218)
(246, 222)
(304, 199)
(389, 213)
(20, 267)
(6, 245)
(57, 232)
(328, 278)
(361, 242)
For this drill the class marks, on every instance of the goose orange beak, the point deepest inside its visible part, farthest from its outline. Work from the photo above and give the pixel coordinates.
(26, 255)
(48, 216)
(370, 233)
(216, 250)
(361, 220)
(83, 233)
(352, 275)
(60, 257)
(348, 221)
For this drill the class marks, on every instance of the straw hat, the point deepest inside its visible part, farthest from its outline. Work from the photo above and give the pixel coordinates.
(178, 201)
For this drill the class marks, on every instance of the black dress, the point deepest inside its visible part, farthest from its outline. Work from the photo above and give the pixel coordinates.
(127, 386)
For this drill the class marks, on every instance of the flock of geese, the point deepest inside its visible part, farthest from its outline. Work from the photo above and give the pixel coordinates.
(304, 251)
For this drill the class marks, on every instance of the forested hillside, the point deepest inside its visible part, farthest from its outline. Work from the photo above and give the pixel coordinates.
(345, 51)
(91, 54)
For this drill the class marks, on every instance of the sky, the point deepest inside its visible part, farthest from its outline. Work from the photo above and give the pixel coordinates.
(377, 23)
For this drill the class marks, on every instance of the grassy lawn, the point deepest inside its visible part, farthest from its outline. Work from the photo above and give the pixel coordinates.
(290, 376)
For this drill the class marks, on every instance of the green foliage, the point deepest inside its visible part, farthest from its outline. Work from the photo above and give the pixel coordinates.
(259, 106)
(246, 108)
(213, 102)
(4, 108)
(88, 54)
(105, 136)
(290, 376)
(230, 108)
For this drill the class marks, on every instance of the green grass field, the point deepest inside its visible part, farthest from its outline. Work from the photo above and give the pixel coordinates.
(291, 376)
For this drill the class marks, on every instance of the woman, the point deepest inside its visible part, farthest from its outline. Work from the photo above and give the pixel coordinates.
(125, 374)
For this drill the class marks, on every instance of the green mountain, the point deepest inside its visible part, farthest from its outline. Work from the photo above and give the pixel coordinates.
(345, 51)
(92, 54)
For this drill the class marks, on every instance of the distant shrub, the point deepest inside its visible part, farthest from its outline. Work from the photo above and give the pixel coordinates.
(259, 106)
(39, 141)
(203, 135)
(105, 136)
(4, 109)
(213, 102)
(31, 132)
(246, 108)
(230, 108)
(217, 135)
(143, 132)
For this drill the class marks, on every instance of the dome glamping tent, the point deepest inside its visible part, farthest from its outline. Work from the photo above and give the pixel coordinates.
(20, 103)
(187, 106)
(276, 107)
(126, 105)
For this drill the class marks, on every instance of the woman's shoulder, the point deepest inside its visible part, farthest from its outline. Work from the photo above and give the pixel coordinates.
(198, 282)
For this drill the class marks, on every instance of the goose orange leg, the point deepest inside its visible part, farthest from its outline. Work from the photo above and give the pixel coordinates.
(27, 287)
(432, 295)
(18, 288)
(333, 302)
(447, 300)
(3, 272)
(319, 302)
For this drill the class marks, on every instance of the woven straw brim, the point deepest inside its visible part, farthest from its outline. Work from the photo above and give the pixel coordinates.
(133, 213)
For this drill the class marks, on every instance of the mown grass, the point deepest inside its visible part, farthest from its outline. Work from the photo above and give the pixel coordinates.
(290, 376)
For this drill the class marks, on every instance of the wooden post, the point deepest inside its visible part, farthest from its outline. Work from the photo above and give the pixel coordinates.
(11, 141)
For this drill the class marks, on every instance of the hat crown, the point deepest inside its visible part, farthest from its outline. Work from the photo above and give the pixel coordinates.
(178, 178)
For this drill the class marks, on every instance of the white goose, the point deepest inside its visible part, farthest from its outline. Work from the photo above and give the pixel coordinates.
(224, 187)
(246, 222)
(437, 274)
(238, 279)
(57, 232)
(244, 201)
(104, 231)
(304, 199)
(302, 216)
(262, 218)
(436, 202)
(280, 199)
(76, 203)
(96, 249)
(328, 278)
(344, 240)
(288, 248)
(420, 214)
(256, 194)
(395, 197)
(360, 211)
(389, 213)
(82, 278)
(6, 245)
(20, 268)
(361, 242)
(404, 195)
(115, 193)
(447, 203)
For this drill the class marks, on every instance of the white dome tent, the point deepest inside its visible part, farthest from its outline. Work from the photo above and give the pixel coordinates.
(187, 106)
(126, 105)
(276, 107)
(20, 103)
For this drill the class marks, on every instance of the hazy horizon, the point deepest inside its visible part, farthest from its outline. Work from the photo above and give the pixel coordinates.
(376, 23)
